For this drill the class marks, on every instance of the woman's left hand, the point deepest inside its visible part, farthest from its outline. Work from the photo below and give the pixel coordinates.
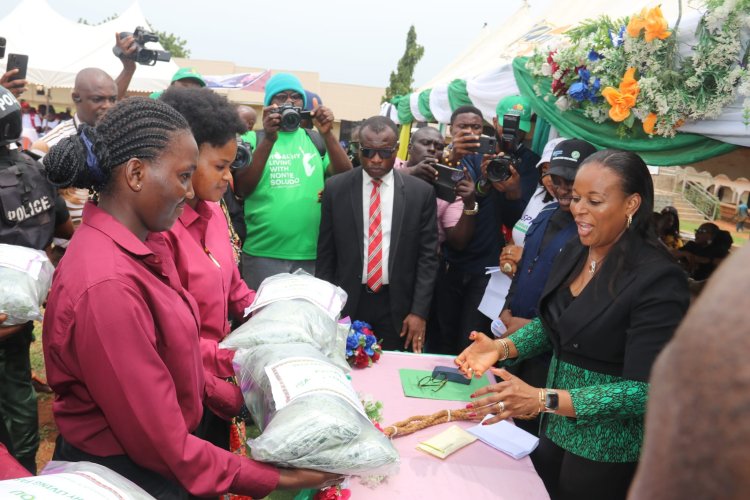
(510, 398)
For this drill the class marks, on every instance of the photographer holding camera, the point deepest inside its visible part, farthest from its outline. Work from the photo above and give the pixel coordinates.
(281, 185)
(503, 190)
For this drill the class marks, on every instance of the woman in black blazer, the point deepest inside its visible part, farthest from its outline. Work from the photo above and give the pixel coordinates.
(612, 301)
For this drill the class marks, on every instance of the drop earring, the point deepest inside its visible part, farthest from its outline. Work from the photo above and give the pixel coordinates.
(630, 220)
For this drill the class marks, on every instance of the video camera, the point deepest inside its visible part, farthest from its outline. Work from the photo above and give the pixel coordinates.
(498, 169)
(291, 116)
(142, 55)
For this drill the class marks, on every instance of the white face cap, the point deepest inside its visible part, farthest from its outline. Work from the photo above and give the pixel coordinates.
(547, 153)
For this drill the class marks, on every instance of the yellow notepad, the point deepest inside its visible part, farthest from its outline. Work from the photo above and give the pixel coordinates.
(449, 441)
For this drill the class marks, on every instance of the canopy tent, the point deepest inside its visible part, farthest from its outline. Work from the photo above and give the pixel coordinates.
(494, 67)
(58, 48)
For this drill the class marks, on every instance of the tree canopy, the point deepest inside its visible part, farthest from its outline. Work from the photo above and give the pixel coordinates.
(403, 78)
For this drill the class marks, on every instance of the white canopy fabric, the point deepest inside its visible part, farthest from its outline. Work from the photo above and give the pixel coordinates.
(58, 48)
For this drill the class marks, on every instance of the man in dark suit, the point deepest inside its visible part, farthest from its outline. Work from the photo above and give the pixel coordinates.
(378, 240)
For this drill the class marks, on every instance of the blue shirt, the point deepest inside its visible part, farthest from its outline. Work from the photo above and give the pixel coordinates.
(494, 211)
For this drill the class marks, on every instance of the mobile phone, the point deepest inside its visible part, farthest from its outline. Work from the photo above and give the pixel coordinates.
(450, 374)
(445, 184)
(487, 145)
(19, 61)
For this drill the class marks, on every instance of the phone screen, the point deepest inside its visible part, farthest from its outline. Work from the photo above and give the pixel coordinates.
(19, 61)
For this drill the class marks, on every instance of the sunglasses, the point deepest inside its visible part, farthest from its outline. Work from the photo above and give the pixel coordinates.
(384, 153)
(701, 231)
(285, 96)
(430, 382)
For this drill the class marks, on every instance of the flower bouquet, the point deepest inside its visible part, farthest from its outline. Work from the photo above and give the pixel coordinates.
(636, 69)
(362, 346)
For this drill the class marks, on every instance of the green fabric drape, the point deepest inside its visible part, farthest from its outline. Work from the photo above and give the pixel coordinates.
(423, 103)
(683, 149)
(458, 95)
(404, 108)
(541, 135)
(401, 103)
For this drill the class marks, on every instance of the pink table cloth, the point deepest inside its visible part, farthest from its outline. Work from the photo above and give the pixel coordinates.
(476, 471)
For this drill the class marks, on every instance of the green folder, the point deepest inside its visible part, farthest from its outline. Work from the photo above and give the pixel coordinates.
(450, 391)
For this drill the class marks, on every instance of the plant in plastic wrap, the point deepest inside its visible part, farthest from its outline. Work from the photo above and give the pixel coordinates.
(25, 278)
(291, 367)
(74, 480)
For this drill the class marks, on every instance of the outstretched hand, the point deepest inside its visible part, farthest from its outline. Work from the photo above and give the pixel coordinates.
(511, 397)
(478, 357)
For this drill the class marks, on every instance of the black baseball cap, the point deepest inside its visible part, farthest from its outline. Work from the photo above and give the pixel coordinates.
(568, 156)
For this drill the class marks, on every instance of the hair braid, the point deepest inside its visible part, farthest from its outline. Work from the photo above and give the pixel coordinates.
(136, 127)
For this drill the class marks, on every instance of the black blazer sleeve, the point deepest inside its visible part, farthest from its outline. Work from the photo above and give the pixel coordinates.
(325, 265)
(427, 263)
(658, 306)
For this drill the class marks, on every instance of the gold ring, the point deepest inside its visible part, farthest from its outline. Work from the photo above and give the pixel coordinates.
(501, 406)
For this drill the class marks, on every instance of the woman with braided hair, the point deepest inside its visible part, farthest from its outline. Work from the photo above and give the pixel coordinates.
(120, 331)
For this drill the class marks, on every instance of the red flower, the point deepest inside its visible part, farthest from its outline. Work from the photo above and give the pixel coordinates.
(361, 359)
(376, 356)
(333, 493)
(330, 493)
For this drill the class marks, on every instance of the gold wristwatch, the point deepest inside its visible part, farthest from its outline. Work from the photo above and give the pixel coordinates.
(472, 211)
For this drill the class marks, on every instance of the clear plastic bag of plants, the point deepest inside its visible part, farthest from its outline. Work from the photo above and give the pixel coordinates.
(292, 370)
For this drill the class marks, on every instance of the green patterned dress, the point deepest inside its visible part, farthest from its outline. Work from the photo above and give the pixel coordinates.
(609, 409)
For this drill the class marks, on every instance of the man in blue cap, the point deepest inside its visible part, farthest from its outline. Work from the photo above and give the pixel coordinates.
(282, 184)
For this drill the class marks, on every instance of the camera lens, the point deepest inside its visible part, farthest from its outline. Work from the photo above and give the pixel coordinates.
(498, 170)
(290, 119)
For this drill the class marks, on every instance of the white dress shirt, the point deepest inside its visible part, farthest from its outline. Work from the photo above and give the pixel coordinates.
(386, 216)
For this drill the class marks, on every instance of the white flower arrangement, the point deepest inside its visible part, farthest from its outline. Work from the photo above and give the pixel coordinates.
(667, 88)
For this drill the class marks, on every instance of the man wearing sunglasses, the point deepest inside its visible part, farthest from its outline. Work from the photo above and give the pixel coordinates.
(378, 240)
(282, 183)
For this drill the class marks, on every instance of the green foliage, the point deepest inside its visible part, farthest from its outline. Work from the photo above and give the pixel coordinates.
(105, 20)
(597, 30)
(171, 42)
(403, 78)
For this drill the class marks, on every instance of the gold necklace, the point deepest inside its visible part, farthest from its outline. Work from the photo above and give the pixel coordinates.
(594, 264)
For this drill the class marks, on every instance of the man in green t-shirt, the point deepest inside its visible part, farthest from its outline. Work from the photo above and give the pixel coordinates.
(281, 186)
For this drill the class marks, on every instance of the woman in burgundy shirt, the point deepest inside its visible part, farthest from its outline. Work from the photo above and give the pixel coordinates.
(121, 333)
(200, 239)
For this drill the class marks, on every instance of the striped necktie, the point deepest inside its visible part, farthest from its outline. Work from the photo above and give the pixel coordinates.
(375, 240)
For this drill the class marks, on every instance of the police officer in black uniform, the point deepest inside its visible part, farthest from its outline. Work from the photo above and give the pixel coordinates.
(31, 213)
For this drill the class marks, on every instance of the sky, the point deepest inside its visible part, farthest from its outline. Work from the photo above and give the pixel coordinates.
(351, 42)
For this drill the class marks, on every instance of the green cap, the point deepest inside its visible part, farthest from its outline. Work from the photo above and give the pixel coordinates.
(515, 105)
(183, 73)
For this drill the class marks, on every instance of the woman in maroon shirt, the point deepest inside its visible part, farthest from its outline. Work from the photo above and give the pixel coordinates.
(200, 239)
(121, 333)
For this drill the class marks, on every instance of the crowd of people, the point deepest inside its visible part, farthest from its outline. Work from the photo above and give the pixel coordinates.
(164, 215)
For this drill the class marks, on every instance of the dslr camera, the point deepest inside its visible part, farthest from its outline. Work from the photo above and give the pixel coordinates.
(243, 157)
(291, 116)
(498, 169)
(142, 55)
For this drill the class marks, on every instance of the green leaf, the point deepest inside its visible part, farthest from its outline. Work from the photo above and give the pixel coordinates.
(628, 122)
